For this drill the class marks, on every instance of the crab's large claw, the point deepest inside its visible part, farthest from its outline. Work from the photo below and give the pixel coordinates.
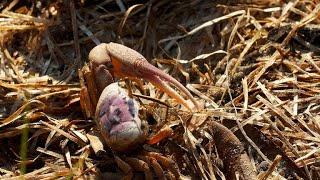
(117, 117)
(127, 62)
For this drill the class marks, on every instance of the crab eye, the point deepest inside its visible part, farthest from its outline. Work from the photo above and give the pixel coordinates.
(132, 108)
(109, 65)
(102, 113)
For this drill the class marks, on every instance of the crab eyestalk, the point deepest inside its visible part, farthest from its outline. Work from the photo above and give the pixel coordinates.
(118, 120)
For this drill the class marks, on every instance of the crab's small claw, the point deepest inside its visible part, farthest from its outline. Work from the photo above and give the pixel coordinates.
(117, 117)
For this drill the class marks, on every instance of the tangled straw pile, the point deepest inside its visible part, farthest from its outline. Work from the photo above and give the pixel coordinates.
(254, 66)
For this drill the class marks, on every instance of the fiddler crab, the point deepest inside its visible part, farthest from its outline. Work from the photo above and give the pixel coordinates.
(116, 112)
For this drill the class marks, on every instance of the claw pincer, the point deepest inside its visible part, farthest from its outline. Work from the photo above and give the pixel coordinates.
(118, 120)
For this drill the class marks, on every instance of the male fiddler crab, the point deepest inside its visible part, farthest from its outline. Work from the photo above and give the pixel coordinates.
(116, 112)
